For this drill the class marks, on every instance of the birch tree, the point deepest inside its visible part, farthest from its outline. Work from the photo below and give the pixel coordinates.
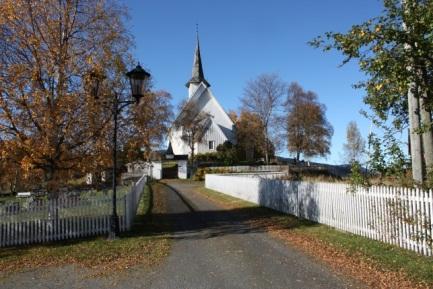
(354, 148)
(263, 96)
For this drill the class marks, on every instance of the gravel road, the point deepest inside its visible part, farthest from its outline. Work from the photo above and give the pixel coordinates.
(213, 251)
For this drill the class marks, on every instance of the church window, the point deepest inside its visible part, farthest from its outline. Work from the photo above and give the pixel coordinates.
(211, 144)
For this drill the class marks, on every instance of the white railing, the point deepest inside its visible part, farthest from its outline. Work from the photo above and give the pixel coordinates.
(262, 168)
(66, 217)
(399, 216)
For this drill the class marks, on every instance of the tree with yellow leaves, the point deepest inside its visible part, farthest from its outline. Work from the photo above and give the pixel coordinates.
(251, 141)
(49, 49)
(151, 121)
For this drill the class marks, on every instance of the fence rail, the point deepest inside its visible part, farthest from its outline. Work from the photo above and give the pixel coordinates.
(262, 168)
(398, 216)
(66, 217)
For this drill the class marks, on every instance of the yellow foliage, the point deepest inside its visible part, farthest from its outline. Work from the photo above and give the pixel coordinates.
(46, 110)
(379, 86)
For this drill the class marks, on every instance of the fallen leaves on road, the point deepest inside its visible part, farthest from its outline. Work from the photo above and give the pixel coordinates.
(355, 266)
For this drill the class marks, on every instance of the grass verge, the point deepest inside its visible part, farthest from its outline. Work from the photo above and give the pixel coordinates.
(377, 264)
(136, 247)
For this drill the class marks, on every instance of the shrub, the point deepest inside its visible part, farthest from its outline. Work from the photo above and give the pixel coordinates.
(225, 154)
(201, 172)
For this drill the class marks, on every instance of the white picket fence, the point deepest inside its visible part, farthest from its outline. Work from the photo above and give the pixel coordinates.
(76, 217)
(398, 216)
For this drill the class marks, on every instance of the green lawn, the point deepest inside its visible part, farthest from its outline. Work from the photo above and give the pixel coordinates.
(387, 257)
(7, 198)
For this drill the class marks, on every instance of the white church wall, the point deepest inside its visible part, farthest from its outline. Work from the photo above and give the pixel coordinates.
(205, 101)
(221, 116)
(208, 103)
(196, 91)
(179, 146)
(192, 89)
(212, 134)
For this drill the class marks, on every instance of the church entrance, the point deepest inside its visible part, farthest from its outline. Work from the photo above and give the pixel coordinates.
(170, 170)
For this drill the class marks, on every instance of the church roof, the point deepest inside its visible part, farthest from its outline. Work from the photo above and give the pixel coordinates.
(197, 68)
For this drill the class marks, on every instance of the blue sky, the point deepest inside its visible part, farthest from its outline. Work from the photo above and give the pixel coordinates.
(241, 39)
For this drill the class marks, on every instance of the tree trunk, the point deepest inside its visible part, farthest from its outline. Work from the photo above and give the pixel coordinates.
(427, 136)
(266, 146)
(415, 137)
(53, 210)
(414, 122)
(192, 160)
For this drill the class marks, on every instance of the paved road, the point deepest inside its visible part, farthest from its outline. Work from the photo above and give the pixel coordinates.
(214, 248)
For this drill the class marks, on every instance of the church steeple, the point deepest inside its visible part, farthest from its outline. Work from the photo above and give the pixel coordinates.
(197, 69)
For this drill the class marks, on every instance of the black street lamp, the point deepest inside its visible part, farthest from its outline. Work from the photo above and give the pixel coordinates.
(137, 78)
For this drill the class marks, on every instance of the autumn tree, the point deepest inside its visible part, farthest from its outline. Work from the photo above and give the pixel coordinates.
(151, 122)
(11, 177)
(394, 51)
(263, 97)
(308, 131)
(250, 137)
(192, 125)
(49, 51)
(354, 148)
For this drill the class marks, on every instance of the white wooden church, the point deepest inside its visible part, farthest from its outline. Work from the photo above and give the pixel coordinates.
(220, 128)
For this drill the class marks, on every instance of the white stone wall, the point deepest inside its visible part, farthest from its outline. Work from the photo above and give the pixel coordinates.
(157, 170)
(242, 186)
(182, 169)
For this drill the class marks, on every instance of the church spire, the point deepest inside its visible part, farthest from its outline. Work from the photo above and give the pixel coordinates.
(197, 68)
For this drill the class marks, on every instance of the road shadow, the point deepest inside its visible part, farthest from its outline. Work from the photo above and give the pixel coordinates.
(194, 224)
(198, 224)
(210, 224)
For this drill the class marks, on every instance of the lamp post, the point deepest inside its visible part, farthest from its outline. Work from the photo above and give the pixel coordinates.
(137, 78)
